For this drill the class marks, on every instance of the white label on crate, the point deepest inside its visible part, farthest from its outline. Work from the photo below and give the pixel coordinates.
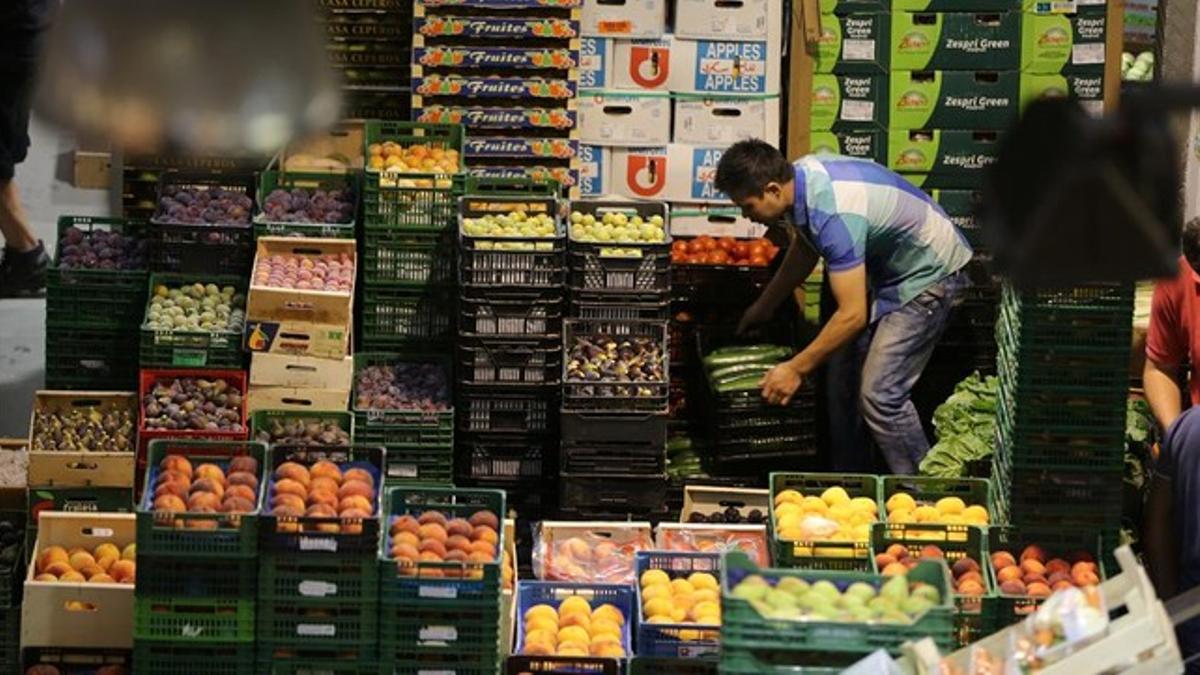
(402, 471)
(858, 111)
(436, 672)
(317, 589)
(316, 630)
(318, 544)
(440, 592)
(1093, 108)
(438, 634)
(1086, 54)
(858, 50)
(190, 631)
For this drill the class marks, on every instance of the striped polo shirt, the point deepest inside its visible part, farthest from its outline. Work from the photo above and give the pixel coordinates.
(857, 212)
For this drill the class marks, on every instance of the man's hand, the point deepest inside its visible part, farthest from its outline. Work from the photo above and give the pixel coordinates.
(779, 385)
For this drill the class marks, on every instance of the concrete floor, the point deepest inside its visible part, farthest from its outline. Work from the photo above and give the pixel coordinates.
(43, 180)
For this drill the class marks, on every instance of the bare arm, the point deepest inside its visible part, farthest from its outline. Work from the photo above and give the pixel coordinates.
(849, 289)
(1162, 392)
(1161, 538)
(797, 264)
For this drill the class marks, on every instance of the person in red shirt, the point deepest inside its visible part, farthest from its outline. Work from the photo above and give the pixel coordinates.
(1173, 339)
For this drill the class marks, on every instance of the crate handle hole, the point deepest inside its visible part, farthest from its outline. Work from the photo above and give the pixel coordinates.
(106, 532)
(78, 606)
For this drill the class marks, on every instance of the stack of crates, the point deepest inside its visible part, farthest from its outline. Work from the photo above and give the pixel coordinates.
(369, 42)
(407, 283)
(346, 183)
(1061, 407)
(440, 614)
(197, 577)
(13, 558)
(318, 577)
(511, 304)
(92, 313)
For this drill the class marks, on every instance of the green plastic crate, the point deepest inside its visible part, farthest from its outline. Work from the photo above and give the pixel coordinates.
(756, 662)
(1089, 500)
(261, 419)
(828, 555)
(1098, 450)
(372, 421)
(650, 665)
(188, 348)
(1037, 408)
(744, 628)
(167, 576)
(406, 632)
(424, 664)
(1056, 542)
(318, 579)
(194, 620)
(288, 180)
(928, 490)
(10, 640)
(353, 625)
(422, 201)
(233, 536)
(166, 658)
(313, 662)
(12, 574)
(408, 257)
(399, 318)
(95, 298)
(1066, 369)
(1061, 322)
(92, 359)
(424, 463)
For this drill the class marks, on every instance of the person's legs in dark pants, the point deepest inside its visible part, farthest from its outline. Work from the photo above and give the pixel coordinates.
(849, 443)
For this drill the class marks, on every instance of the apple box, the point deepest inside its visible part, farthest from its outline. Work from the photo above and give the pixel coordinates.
(78, 614)
(629, 119)
(676, 172)
(693, 220)
(595, 63)
(725, 120)
(727, 67)
(623, 18)
(298, 338)
(595, 168)
(724, 20)
(643, 65)
(289, 398)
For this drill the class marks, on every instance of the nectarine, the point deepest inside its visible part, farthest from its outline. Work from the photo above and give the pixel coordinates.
(458, 526)
(405, 524)
(432, 531)
(486, 518)
(51, 554)
(432, 517)
(242, 491)
(293, 471)
(353, 502)
(210, 471)
(243, 464)
(169, 503)
(207, 485)
(352, 488)
(236, 505)
(177, 463)
(326, 469)
(292, 487)
(361, 475)
(242, 478)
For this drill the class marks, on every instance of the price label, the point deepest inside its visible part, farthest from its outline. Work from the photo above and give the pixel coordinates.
(318, 544)
(316, 630)
(858, 111)
(858, 50)
(438, 634)
(439, 592)
(317, 589)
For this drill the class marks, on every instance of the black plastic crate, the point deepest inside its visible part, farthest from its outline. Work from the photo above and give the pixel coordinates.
(509, 362)
(484, 266)
(620, 306)
(632, 459)
(613, 270)
(614, 428)
(580, 393)
(511, 313)
(505, 456)
(528, 410)
(613, 492)
(226, 248)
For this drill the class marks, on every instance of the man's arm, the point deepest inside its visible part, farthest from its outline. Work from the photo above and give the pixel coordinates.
(1161, 538)
(1161, 383)
(797, 264)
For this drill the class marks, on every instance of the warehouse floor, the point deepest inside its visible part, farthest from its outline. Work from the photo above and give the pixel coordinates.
(22, 355)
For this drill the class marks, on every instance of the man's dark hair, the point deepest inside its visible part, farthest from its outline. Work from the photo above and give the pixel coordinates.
(747, 166)
(1190, 241)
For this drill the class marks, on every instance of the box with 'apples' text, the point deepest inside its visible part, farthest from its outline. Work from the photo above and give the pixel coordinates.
(642, 65)
(595, 63)
(623, 18)
(728, 67)
(676, 172)
(615, 119)
(725, 120)
(595, 167)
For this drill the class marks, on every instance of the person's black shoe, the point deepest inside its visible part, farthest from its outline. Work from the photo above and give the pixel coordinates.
(23, 275)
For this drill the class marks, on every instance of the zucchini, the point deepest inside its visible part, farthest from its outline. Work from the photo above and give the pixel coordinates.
(736, 370)
(774, 353)
(747, 383)
(676, 443)
(741, 349)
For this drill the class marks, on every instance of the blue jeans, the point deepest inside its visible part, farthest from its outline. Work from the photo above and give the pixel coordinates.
(870, 382)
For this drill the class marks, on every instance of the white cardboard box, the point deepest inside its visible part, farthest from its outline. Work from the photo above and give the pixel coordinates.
(304, 372)
(622, 119)
(727, 67)
(676, 172)
(642, 65)
(724, 20)
(595, 63)
(623, 18)
(725, 121)
(295, 398)
(595, 170)
(693, 220)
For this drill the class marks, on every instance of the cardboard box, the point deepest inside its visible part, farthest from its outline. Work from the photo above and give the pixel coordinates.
(81, 615)
(1053, 44)
(954, 158)
(725, 120)
(77, 500)
(727, 67)
(1086, 88)
(848, 102)
(956, 5)
(98, 467)
(956, 41)
(853, 6)
(1071, 6)
(287, 398)
(854, 44)
(623, 18)
(642, 65)
(303, 372)
(693, 220)
(297, 305)
(724, 20)
(947, 99)
(595, 63)
(863, 143)
(624, 119)
(676, 172)
(960, 207)
(296, 338)
(595, 169)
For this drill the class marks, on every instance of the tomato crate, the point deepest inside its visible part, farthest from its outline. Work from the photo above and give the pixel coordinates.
(529, 410)
(1055, 542)
(612, 491)
(329, 625)
(401, 317)
(194, 534)
(553, 593)
(504, 455)
(530, 363)
(409, 257)
(744, 627)
(92, 297)
(147, 379)
(194, 620)
(435, 371)
(203, 248)
(412, 200)
(828, 555)
(657, 665)
(203, 658)
(615, 428)
(192, 348)
(682, 640)
(514, 314)
(408, 633)
(928, 490)
(318, 579)
(346, 184)
(439, 584)
(344, 535)
(268, 424)
(581, 392)
(91, 359)
(174, 576)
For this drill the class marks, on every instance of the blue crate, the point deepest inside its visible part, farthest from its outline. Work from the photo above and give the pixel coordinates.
(677, 640)
(530, 593)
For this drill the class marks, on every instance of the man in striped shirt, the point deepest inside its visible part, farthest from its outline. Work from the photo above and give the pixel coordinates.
(895, 264)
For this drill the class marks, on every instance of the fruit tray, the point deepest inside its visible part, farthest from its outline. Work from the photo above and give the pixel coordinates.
(192, 348)
(325, 534)
(622, 307)
(262, 420)
(368, 421)
(226, 248)
(598, 394)
(744, 627)
(90, 359)
(612, 492)
(439, 584)
(528, 410)
(197, 620)
(317, 580)
(408, 257)
(195, 534)
(330, 625)
(148, 378)
(530, 363)
(601, 429)
(511, 313)
(469, 636)
(504, 456)
(95, 298)
(423, 201)
(828, 555)
(163, 658)
(1055, 542)
(553, 593)
(684, 640)
(269, 181)
(173, 576)
(400, 318)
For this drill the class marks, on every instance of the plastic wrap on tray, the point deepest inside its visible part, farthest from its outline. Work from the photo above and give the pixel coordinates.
(749, 539)
(596, 552)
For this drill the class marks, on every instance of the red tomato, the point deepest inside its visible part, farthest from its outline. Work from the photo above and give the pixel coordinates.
(719, 257)
(703, 243)
(678, 256)
(758, 261)
(679, 246)
(758, 249)
(727, 244)
(741, 251)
